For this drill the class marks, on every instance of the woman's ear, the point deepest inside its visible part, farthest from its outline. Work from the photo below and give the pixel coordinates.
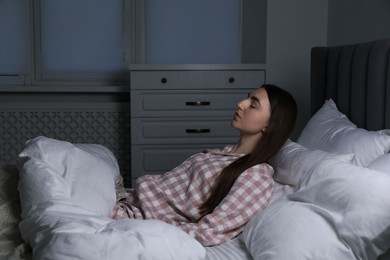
(264, 130)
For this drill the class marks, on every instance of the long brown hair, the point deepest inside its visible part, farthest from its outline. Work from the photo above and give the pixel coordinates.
(280, 126)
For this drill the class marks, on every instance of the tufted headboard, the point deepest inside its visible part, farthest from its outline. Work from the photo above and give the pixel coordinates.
(357, 78)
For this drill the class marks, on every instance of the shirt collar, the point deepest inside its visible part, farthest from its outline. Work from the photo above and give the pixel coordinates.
(227, 151)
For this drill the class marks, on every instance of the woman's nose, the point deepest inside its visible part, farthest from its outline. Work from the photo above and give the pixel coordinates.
(241, 104)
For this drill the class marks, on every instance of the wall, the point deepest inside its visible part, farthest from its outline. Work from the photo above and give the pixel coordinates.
(293, 28)
(254, 31)
(352, 21)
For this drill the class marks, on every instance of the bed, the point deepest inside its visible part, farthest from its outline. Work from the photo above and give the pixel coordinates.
(331, 198)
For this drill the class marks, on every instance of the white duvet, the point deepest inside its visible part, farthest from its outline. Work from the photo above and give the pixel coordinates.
(67, 192)
(328, 209)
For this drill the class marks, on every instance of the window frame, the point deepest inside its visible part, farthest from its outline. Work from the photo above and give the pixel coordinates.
(134, 53)
(20, 79)
(134, 26)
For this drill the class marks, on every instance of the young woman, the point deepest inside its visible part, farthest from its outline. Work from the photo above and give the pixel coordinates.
(213, 194)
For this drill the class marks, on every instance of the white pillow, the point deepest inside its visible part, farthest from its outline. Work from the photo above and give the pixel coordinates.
(331, 131)
(83, 173)
(357, 201)
(340, 210)
(382, 163)
(294, 163)
(295, 231)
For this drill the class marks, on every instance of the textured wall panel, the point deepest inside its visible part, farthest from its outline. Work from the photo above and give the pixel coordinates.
(101, 123)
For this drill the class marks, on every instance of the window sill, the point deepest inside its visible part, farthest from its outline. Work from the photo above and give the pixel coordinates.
(65, 89)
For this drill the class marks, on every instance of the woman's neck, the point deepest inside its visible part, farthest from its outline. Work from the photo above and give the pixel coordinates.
(245, 145)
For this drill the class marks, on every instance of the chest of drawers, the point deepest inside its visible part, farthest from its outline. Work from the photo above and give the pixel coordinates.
(180, 110)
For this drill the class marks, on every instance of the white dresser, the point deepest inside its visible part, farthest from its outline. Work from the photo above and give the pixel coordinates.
(179, 110)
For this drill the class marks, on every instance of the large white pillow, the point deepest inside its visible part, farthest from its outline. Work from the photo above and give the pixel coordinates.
(294, 231)
(338, 211)
(357, 201)
(67, 191)
(294, 163)
(83, 173)
(382, 163)
(331, 131)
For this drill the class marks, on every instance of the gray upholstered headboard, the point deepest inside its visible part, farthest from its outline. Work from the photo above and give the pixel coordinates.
(357, 78)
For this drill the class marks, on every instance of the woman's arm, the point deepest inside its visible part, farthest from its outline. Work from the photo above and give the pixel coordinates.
(250, 194)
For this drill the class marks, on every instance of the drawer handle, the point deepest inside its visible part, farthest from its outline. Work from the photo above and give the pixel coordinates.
(164, 80)
(198, 130)
(232, 79)
(198, 103)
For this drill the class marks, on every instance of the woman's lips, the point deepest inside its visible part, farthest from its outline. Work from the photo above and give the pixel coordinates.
(237, 115)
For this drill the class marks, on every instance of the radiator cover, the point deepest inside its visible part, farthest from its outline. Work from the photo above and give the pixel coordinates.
(107, 124)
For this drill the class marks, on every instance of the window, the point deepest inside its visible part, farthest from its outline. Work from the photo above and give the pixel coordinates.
(66, 42)
(204, 31)
(80, 39)
(57, 43)
(14, 44)
(188, 31)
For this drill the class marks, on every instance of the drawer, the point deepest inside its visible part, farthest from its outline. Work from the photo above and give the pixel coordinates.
(182, 130)
(196, 79)
(153, 159)
(185, 103)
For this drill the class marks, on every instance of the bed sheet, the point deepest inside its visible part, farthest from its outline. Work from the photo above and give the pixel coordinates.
(12, 247)
(44, 194)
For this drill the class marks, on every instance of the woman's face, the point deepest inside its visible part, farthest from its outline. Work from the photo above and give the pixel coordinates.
(253, 113)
